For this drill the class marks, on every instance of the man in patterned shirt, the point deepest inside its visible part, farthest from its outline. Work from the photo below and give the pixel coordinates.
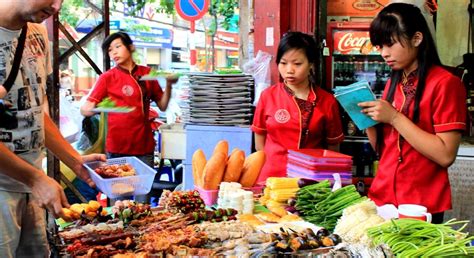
(24, 188)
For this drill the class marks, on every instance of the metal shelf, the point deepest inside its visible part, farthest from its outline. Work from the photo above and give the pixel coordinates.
(360, 139)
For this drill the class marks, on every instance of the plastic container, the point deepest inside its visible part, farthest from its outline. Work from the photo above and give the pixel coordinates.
(173, 141)
(123, 186)
(257, 189)
(320, 156)
(208, 196)
(319, 166)
(346, 177)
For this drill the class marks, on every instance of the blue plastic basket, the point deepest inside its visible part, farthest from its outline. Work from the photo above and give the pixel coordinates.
(123, 186)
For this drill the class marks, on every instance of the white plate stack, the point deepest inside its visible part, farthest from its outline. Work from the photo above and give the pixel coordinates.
(220, 99)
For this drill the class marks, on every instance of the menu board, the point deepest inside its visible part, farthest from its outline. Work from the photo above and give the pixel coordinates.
(461, 176)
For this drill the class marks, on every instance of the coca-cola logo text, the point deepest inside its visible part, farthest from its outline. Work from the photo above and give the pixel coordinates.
(351, 41)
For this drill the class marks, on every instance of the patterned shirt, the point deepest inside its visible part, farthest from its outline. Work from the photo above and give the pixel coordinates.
(24, 135)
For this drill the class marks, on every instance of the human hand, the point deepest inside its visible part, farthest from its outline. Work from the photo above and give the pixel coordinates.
(172, 78)
(379, 110)
(49, 194)
(82, 172)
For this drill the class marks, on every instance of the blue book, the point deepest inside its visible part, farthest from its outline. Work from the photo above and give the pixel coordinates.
(349, 96)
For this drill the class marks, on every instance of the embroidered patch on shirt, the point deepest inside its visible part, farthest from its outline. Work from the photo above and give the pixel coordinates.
(127, 90)
(282, 116)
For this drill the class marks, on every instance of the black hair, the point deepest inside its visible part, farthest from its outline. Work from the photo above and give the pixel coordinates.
(298, 40)
(398, 22)
(126, 40)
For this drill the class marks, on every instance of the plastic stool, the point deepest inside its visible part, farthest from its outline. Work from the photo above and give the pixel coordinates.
(166, 171)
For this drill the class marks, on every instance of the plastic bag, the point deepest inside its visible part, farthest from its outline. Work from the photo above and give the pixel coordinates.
(259, 68)
(68, 120)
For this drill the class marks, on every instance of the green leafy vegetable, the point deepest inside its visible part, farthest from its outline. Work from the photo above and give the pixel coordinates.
(107, 103)
(161, 73)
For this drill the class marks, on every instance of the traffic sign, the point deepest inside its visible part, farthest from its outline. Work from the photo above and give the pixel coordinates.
(191, 10)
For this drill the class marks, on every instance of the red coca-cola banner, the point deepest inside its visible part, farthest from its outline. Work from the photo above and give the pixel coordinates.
(350, 41)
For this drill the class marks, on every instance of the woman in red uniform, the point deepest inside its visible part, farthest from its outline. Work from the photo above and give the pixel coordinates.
(128, 134)
(295, 113)
(422, 114)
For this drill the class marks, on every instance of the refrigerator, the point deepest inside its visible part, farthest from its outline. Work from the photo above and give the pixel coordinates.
(352, 58)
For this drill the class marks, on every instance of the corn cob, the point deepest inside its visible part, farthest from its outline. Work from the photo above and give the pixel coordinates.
(276, 207)
(282, 195)
(282, 182)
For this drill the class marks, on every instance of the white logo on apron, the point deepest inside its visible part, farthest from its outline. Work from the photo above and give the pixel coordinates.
(282, 116)
(127, 90)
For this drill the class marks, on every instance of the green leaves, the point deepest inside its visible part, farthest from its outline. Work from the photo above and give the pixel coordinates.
(107, 103)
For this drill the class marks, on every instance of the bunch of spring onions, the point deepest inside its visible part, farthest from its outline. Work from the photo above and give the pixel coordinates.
(416, 238)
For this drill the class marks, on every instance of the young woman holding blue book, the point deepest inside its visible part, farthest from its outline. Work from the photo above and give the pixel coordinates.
(422, 114)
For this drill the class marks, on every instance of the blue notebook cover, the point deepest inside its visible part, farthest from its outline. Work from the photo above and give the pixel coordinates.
(349, 96)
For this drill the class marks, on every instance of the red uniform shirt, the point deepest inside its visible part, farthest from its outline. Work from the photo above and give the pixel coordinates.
(278, 117)
(128, 133)
(416, 179)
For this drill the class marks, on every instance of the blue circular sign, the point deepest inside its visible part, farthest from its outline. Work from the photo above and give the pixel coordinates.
(192, 10)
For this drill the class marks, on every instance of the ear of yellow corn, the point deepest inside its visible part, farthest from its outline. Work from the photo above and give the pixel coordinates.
(276, 207)
(282, 195)
(266, 192)
(282, 182)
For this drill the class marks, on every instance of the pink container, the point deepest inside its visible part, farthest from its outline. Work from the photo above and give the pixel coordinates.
(256, 189)
(320, 156)
(208, 196)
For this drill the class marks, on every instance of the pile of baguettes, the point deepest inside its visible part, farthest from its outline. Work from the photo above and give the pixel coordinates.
(222, 167)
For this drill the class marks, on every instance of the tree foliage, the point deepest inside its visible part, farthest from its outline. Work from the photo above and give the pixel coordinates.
(68, 9)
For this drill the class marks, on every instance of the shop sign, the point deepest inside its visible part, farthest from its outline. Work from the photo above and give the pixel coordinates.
(114, 25)
(153, 37)
(226, 39)
(355, 8)
(352, 42)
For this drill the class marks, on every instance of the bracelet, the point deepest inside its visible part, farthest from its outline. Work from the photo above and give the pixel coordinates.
(393, 118)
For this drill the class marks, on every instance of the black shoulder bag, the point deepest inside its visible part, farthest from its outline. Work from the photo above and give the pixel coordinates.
(7, 119)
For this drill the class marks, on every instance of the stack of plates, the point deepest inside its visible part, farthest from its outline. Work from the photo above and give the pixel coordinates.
(220, 99)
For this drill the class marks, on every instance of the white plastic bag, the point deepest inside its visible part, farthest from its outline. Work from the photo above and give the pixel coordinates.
(259, 68)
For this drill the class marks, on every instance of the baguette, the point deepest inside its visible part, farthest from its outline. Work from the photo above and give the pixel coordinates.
(252, 166)
(222, 146)
(199, 162)
(214, 171)
(234, 166)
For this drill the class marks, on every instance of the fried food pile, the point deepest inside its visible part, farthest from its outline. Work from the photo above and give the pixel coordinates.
(116, 170)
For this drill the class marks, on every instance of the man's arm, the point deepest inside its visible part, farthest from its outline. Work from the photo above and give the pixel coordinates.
(47, 192)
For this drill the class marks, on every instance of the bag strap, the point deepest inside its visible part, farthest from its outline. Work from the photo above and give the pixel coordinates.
(16, 60)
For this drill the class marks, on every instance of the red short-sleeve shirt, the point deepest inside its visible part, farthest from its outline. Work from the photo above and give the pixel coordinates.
(128, 133)
(417, 179)
(278, 117)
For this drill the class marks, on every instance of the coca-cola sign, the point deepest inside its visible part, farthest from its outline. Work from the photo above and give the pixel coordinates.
(350, 41)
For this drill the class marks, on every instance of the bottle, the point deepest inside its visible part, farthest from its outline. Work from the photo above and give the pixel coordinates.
(337, 73)
(351, 128)
(351, 72)
(346, 73)
(366, 66)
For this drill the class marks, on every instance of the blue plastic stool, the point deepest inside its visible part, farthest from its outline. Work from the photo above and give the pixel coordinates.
(165, 170)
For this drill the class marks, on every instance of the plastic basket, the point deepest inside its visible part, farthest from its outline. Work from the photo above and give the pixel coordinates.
(123, 186)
